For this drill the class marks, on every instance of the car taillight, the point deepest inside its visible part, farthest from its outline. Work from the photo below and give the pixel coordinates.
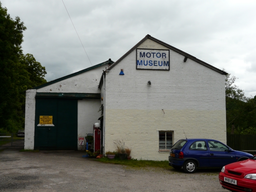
(181, 155)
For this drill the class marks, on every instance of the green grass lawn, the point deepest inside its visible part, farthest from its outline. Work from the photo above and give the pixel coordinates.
(137, 163)
(156, 165)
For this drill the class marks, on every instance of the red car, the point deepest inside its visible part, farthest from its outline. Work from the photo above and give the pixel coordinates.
(239, 176)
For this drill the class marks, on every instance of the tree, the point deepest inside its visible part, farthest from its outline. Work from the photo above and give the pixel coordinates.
(251, 114)
(17, 72)
(11, 38)
(232, 91)
(32, 76)
(36, 71)
(240, 110)
(235, 104)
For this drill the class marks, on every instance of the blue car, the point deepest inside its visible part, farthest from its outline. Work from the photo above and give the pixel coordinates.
(191, 154)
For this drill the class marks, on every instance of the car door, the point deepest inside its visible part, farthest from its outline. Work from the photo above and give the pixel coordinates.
(220, 154)
(199, 151)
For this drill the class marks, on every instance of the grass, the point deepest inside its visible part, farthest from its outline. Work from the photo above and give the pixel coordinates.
(145, 164)
(137, 163)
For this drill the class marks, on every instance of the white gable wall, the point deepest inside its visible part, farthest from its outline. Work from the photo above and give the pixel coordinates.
(84, 83)
(189, 98)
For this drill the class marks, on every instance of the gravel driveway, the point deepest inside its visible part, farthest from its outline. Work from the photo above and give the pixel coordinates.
(69, 171)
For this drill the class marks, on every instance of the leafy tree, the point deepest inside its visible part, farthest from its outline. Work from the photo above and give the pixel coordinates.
(232, 91)
(32, 76)
(36, 71)
(18, 72)
(235, 112)
(11, 38)
(240, 110)
(251, 113)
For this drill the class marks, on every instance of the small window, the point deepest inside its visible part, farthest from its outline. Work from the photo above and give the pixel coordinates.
(165, 140)
(198, 145)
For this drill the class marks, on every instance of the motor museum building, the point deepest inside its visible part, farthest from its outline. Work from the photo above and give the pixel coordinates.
(154, 95)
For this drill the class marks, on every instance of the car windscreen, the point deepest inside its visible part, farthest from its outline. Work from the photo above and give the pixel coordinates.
(179, 144)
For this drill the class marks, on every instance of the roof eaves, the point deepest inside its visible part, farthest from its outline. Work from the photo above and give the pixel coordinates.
(189, 56)
(108, 62)
(68, 95)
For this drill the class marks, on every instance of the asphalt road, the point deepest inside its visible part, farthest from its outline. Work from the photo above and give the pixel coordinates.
(69, 171)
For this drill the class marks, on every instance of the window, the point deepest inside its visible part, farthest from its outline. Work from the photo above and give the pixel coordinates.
(179, 144)
(198, 145)
(217, 146)
(165, 140)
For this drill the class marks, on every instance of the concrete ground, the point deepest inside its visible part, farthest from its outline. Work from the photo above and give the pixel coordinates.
(69, 171)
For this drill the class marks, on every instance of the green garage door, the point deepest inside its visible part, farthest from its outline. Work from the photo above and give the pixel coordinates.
(56, 124)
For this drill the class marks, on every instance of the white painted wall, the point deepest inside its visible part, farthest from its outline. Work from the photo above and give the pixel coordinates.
(84, 83)
(189, 98)
(88, 114)
(103, 102)
(30, 119)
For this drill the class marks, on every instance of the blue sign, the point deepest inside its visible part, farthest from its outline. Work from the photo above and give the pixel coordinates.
(153, 59)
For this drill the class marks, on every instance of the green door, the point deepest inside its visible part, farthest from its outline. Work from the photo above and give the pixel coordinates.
(61, 133)
(67, 124)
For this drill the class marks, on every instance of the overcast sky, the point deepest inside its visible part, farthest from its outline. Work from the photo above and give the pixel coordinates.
(219, 32)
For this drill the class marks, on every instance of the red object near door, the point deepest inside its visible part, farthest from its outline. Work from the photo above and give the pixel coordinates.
(97, 139)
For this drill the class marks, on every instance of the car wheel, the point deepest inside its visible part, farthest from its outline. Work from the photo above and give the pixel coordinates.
(189, 166)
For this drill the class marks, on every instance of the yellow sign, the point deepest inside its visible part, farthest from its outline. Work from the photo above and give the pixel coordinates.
(45, 119)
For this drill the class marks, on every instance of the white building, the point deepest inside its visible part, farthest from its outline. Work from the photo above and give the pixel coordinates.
(151, 97)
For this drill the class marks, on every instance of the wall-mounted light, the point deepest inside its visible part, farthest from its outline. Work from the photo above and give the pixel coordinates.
(185, 59)
(149, 82)
(121, 72)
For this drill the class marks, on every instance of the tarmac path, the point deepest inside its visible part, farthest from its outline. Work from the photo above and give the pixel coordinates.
(69, 171)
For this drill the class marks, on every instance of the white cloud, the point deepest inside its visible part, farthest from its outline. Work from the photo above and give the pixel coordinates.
(218, 32)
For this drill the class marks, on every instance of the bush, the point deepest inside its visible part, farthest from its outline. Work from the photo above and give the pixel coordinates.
(4, 132)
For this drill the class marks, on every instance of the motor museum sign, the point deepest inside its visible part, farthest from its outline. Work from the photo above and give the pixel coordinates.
(153, 59)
